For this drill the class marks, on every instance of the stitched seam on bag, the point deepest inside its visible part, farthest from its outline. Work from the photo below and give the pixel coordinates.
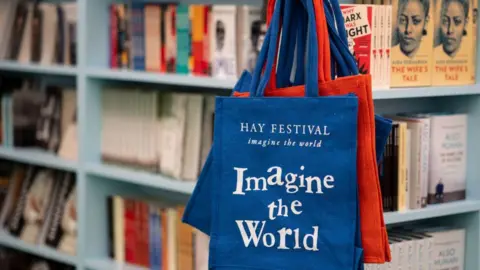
(217, 172)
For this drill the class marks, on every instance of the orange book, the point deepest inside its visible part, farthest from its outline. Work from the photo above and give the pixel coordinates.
(184, 243)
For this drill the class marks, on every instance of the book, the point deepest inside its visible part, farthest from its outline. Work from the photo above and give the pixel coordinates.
(453, 43)
(412, 41)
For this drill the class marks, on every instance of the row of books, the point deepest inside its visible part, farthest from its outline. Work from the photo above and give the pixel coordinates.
(206, 40)
(421, 247)
(424, 161)
(154, 236)
(38, 32)
(35, 114)
(390, 41)
(166, 132)
(38, 205)
(11, 259)
(411, 43)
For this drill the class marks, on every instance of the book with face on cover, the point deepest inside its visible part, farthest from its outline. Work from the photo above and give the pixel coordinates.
(454, 42)
(249, 24)
(412, 41)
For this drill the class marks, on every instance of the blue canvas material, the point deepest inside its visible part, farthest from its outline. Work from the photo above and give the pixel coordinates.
(197, 212)
(300, 201)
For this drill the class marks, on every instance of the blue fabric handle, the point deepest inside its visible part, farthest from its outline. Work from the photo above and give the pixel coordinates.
(291, 45)
(311, 86)
(344, 60)
(286, 44)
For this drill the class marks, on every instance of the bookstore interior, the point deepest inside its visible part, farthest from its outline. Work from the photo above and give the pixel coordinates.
(112, 164)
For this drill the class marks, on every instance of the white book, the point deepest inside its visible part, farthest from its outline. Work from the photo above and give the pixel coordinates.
(151, 129)
(248, 37)
(392, 265)
(193, 138)
(70, 11)
(207, 129)
(448, 249)
(448, 141)
(172, 238)
(105, 123)
(49, 33)
(141, 132)
(153, 19)
(24, 55)
(224, 42)
(381, 68)
(388, 61)
(408, 169)
(174, 108)
(201, 250)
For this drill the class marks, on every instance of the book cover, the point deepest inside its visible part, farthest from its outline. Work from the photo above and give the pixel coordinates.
(453, 42)
(448, 155)
(359, 26)
(249, 22)
(412, 41)
(223, 49)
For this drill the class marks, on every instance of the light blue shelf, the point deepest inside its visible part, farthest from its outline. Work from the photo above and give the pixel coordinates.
(108, 264)
(97, 181)
(141, 178)
(56, 70)
(38, 250)
(433, 211)
(37, 157)
(219, 84)
(159, 78)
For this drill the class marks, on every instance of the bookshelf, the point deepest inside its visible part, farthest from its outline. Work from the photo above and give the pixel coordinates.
(96, 181)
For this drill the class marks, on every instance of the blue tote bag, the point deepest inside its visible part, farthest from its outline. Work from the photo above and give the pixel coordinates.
(284, 190)
(197, 212)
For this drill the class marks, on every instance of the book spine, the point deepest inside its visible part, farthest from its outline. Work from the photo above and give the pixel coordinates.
(130, 232)
(425, 152)
(183, 38)
(359, 26)
(138, 36)
(113, 36)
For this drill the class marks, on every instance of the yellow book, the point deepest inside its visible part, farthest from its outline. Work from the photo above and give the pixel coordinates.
(453, 44)
(402, 169)
(412, 41)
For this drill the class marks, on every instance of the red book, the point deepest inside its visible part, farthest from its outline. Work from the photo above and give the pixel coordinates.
(359, 26)
(130, 231)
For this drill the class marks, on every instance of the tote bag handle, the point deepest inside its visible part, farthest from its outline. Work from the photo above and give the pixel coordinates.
(311, 87)
(296, 23)
(342, 61)
(324, 71)
(338, 39)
